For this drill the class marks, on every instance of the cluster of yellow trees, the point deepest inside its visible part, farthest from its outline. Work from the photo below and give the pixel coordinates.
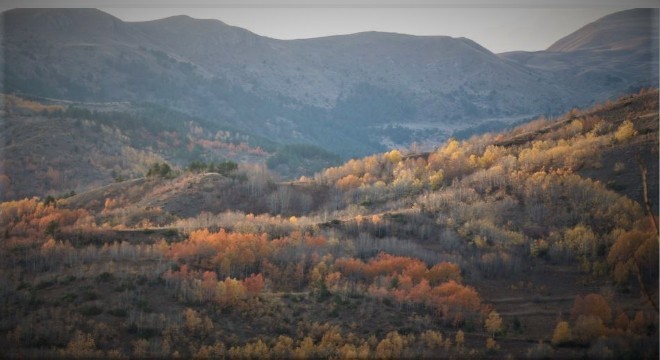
(380, 270)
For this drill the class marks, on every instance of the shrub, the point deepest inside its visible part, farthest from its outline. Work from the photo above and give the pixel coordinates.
(90, 310)
(119, 312)
(90, 295)
(540, 351)
(562, 334)
(44, 284)
(105, 277)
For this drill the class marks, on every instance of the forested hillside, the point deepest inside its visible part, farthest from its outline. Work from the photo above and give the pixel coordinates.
(538, 242)
(54, 147)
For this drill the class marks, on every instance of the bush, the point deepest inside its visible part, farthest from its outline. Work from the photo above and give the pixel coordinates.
(118, 312)
(540, 351)
(68, 279)
(90, 295)
(44, 284)
(517, 326)
(70, 297)
(143, 305)
(162, 170)
(105, 277)
(90, 310)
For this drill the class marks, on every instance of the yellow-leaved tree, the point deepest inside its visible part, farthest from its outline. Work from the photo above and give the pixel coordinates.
(625, 131)
(493, 323)
(562, 334)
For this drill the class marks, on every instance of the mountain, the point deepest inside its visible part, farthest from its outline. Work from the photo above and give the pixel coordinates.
(618, 52)
(352, 94)
(630, 30)
(490, 247)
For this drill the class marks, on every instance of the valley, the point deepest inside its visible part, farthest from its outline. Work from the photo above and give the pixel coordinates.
(182, 188)
(479, 248)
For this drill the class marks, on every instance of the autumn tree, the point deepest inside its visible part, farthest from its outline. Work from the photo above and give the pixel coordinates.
(432, 339)
(588, 328)
(636, 253)
(254, 284)
(230, 292)
(443, 272)
(394, 156)
(493, 323)
(591, 305)
(460, 339)
(282, 347)
(625, 131)
(562, 334)
(622, 321)
(347, 351)
(492, 345)
(305, 349)
(639, 324)
(436, 180)
(140, 348)
(193, 321)
(81, 346)
(391, 347)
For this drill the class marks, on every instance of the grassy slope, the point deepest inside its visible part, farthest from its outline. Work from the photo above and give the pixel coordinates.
(52, 147)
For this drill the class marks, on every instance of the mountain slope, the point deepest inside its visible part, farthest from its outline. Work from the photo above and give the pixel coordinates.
(616, 54)
(501, 232)
(352, 94)
(53, 147)
(586, 145)
(626, 30)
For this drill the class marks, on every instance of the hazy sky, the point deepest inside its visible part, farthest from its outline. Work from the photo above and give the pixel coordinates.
(499, 25)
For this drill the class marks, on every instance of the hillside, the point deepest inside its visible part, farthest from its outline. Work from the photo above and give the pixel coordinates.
(352, 95)
(626, 30)
(581, 142)
(54, 147)
(525, 243)
(630, 37)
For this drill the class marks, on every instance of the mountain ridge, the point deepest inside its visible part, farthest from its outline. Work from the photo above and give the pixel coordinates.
(606, 33)
(298, 91)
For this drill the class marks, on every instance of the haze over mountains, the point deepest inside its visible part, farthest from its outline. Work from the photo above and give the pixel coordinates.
(353, 95)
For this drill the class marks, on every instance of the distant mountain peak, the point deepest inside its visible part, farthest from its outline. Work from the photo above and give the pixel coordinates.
(74, 15)
(185, 19)
(619, 31)
(82, 23)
